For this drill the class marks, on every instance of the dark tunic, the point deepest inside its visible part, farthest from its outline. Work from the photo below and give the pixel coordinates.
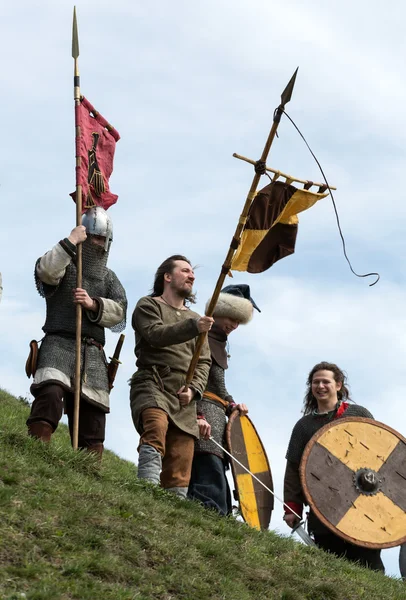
(307, 426)
(208, 482)
(302, 433)
(165, 340)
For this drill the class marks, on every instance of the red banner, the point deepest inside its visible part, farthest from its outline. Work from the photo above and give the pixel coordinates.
(95, 146)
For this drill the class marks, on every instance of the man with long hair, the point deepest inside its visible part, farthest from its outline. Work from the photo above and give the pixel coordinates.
(327, 398)
(163, 409)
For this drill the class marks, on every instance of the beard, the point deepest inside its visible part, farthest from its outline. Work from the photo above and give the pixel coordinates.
(186, 293)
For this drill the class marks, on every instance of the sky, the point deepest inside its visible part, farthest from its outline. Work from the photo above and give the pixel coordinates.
(187, 84)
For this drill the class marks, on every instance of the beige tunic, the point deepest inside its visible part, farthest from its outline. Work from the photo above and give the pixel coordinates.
(165, 340)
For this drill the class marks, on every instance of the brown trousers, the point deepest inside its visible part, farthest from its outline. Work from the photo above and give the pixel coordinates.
(174, 445)
(48, 406)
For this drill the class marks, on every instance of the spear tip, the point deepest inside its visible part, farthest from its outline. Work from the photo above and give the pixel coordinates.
(287, 92)
(75, 37)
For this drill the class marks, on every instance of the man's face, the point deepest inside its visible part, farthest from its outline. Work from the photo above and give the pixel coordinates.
(226, 324)
(181, 279)
(99, 240)
(325, 387)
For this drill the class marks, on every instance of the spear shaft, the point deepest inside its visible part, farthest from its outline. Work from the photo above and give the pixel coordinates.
(285, 97)
(78, 347)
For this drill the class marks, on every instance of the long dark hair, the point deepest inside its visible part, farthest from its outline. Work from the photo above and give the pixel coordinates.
(310, 402)
(167, 267)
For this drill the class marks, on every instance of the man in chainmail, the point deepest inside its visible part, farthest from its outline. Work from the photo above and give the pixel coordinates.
(326, 399)
(208, 482)
(104, 305)
(163, 411)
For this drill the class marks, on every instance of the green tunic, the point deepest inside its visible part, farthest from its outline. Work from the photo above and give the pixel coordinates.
(165, 340)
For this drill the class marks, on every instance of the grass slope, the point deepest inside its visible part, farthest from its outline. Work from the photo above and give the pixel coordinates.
(68, 531)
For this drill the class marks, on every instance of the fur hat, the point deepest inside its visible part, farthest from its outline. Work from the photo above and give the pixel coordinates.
(236, 303)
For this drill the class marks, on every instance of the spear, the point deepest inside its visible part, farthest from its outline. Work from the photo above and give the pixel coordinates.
(76, 95)
(285, 97)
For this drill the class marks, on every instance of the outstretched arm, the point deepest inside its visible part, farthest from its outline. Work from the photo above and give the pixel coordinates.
(147, 320)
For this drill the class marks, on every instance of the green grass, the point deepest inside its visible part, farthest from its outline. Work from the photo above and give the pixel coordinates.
(71, 531)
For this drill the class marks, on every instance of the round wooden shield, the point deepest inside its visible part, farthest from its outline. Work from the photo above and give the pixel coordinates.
(244, 443)
(353, 474)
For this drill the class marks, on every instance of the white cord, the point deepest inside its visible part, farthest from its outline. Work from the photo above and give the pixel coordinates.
(256, 478)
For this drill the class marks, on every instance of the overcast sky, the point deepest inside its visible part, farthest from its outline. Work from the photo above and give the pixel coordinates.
(187, 84)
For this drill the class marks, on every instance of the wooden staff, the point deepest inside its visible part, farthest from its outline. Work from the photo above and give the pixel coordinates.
(285, 97)
(277, 174)
(78, 348)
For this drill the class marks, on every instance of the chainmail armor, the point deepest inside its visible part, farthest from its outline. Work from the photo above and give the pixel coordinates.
(98, 281)
(214, 412)
(58, 347)
(59, 353)
(307, 426)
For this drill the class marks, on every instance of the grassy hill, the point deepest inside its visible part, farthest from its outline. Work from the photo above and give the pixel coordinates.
(68, 531)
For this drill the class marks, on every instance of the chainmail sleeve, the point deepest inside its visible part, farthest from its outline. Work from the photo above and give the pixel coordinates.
(51, 267)
(307, 426)
(116, 292)
(292, 487)
(45, 290)
(355, 410)
(298, 440)
(216, 382)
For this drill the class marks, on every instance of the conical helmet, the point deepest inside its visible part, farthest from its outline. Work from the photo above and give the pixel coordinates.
(97, 222)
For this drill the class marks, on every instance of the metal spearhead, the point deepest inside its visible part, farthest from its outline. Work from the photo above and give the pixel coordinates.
(287, 92)
(75, 37)
(285, 97)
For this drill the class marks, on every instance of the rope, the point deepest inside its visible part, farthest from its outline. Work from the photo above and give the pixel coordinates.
(256, 478)
(260, 169)
(334, 206)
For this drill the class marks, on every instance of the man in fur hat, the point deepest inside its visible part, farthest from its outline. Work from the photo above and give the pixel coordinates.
(208, 482)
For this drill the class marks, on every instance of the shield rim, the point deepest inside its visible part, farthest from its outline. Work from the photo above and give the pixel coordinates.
(234, 415)
(302, 471)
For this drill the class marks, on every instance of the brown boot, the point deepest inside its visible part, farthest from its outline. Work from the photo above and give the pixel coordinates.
(40, 430)
(97, 450)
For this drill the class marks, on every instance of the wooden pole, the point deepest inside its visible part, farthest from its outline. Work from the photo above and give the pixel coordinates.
(78, 347)
(278, 174)
(286, 96)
